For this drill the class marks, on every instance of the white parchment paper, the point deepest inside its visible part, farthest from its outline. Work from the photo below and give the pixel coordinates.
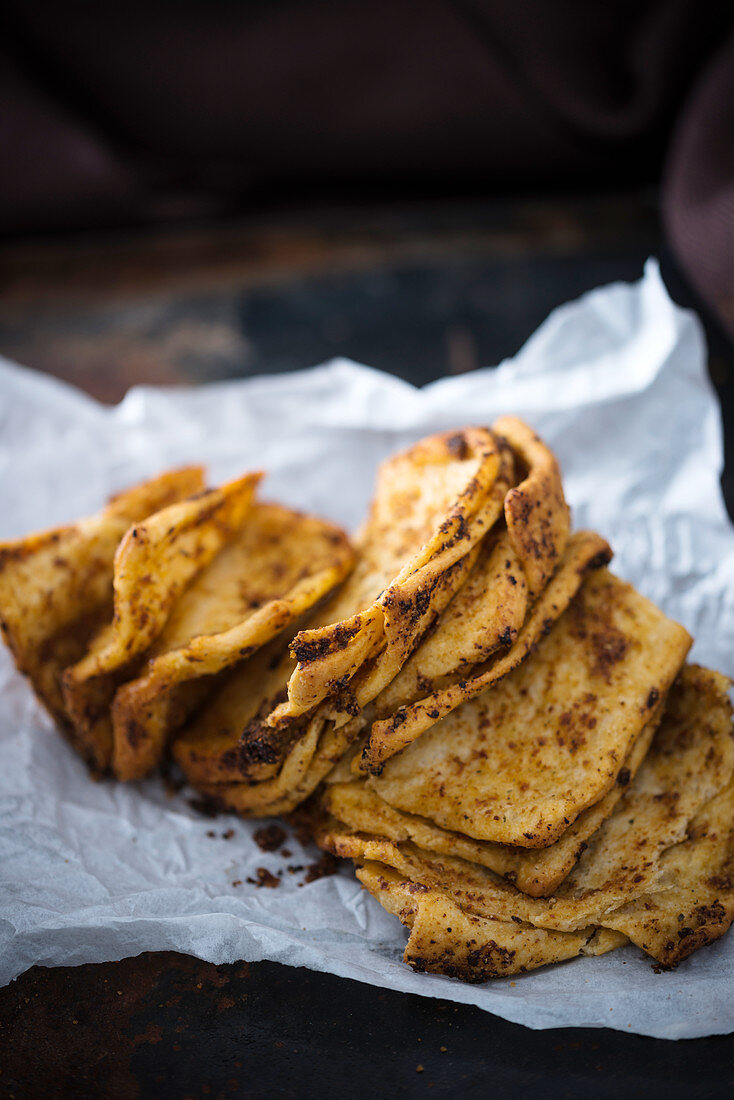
(616, 383)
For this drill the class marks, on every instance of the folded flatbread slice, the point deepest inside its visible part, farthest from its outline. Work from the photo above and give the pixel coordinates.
(433, 504)
(536, 512)
(56, 586)
(692, 902)
(690, 905)
(154, 562)
(662, 861)
(515, 561)
(537, 523)
(409, 719)
(274, 570)
(484, 617)
(519, 764)
(253, 775)
(445, 939)
(535, 871)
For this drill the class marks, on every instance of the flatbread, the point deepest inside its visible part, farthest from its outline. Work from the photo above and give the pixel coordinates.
(485, 616)
(536, 512)
(433, 504)
(444, 939)
(154, 562)
(272, 786)
(661, 863)
(693, 902)
(535, 871)
(521, 762)
(56, 586)
(513, 565)
(318, 742)
(276, 568)
(415, 515)
(691, 906)
(409, 719)
(227, 745)
(537, 525)
(228, 741)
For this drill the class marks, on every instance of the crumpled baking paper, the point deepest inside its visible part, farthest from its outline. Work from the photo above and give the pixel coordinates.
(616, 382)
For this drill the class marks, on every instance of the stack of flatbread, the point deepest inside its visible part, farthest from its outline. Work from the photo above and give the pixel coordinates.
(126, 621)
(451, 585)
(502, 735)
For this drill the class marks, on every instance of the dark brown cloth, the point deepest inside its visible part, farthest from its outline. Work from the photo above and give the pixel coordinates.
(698, 195)
(119, 113)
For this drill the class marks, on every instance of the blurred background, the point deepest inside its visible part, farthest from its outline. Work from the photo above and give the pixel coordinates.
(198, 190)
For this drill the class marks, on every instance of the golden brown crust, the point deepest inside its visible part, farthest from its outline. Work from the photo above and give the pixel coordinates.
(659, 870)
(522, 761)
(153, 563)
(536, 512)
(388, 736)
(56, 586)
(537, 872)
(273, 571)
(433, 504)
(444, 939)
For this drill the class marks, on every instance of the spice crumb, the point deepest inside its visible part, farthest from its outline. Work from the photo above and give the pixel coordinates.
(207, 806)
(266, 878)
(326, 865)
(269, 837)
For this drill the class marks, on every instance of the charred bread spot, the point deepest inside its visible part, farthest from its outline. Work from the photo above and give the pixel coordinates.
(135, 733)
(609, 647)
(256, 750)
(600, 560)
(305, 650)
(457, 446)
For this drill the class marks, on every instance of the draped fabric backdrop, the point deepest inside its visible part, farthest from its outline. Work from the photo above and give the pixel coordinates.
(126, 113)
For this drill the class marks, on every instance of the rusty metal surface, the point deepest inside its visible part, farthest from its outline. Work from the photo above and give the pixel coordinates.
(418, 292)
(165, 1025)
